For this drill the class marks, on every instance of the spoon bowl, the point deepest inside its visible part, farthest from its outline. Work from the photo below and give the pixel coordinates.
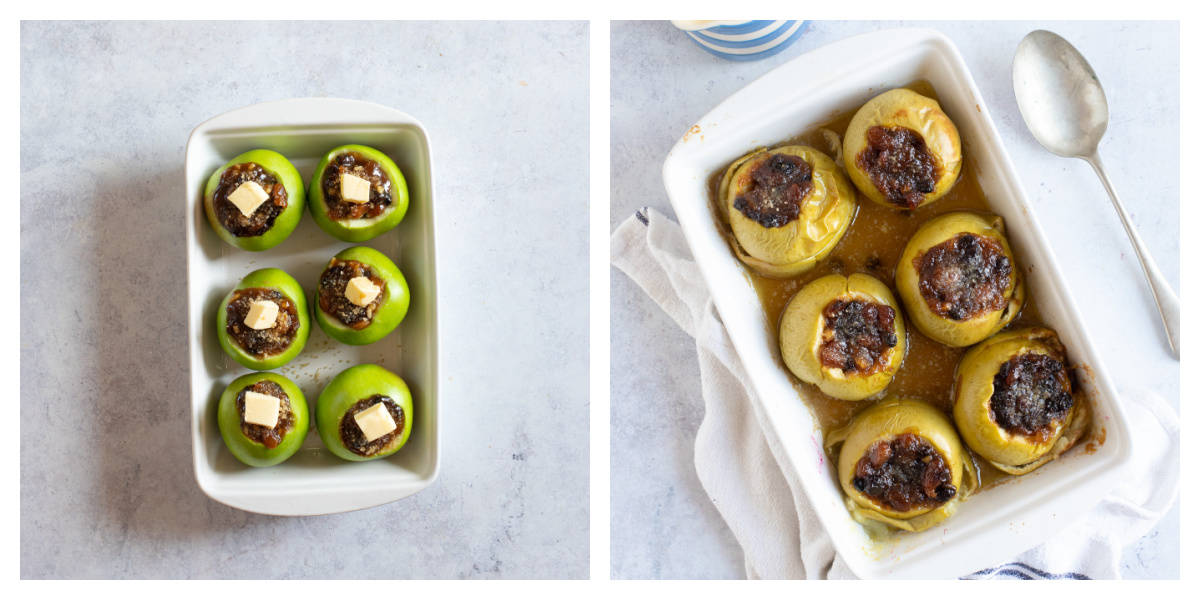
(1059, 95)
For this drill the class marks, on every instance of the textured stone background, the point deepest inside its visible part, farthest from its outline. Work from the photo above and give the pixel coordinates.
(107, 488)
(663, 525)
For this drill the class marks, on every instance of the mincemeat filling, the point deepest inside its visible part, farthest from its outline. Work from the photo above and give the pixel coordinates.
(358, 165)
(899, 165)
(1030, 393)
(904, 473)
(777, 189)
(332, 293)
(352, 436)
(261, 342)
(964, 277)
(857, 336)
(269, 437)
(263, 218)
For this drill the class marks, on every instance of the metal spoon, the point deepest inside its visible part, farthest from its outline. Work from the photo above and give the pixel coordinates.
(1065, 109)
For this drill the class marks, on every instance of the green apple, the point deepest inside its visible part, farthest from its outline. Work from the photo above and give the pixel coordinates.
(392, 308)
(352, 391)
(266, 447)
(383, 215)
(278, 286)
(268, 225)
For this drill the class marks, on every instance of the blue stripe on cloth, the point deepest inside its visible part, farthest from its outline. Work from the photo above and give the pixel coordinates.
(1018, 570)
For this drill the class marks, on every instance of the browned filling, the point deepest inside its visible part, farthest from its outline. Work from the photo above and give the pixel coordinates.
(904, 473)
(358, 165)
(964, 277)
(1030, 393)
(269, 437)
(776, 191)
(857, 336)
(261, 342)
(332, 293)
(264, 216)
(899, 165)
(352, 436)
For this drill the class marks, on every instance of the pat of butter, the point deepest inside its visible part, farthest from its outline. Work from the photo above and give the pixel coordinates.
(355, 189)
(375, 422)
(248, 197)
(262, 314)
(361, 291)
(261, 409)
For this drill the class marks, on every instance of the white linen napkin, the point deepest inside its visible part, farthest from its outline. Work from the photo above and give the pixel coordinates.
(766, 508)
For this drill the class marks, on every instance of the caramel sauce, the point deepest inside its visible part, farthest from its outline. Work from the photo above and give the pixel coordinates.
(873, 245)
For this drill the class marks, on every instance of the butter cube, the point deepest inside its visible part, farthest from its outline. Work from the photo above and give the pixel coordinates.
(248, 196)
(375, 422)
(261, 409)
(355, 189)
(361, 291)
(262, 314)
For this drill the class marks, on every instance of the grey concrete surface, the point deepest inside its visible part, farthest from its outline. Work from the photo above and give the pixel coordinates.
(107, 488)
(663, 525)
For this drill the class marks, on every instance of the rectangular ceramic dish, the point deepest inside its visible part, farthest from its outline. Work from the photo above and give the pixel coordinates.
(999, 522)
(313, 481)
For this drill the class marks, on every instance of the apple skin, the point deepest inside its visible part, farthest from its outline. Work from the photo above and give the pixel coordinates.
(250, 452)
(346, 389)
(285, 223)
(283, 283)
(358, 230)
(391, 312)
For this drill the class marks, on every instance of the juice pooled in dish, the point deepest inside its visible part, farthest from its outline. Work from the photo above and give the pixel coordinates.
(930, 342)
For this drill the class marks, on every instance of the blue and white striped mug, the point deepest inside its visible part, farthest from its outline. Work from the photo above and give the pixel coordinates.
(743, 40)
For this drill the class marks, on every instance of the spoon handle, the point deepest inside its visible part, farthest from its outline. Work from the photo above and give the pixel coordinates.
(1164, 296)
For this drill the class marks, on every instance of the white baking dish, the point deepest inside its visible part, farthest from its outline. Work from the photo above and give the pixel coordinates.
(999, 522)
(313, 481)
